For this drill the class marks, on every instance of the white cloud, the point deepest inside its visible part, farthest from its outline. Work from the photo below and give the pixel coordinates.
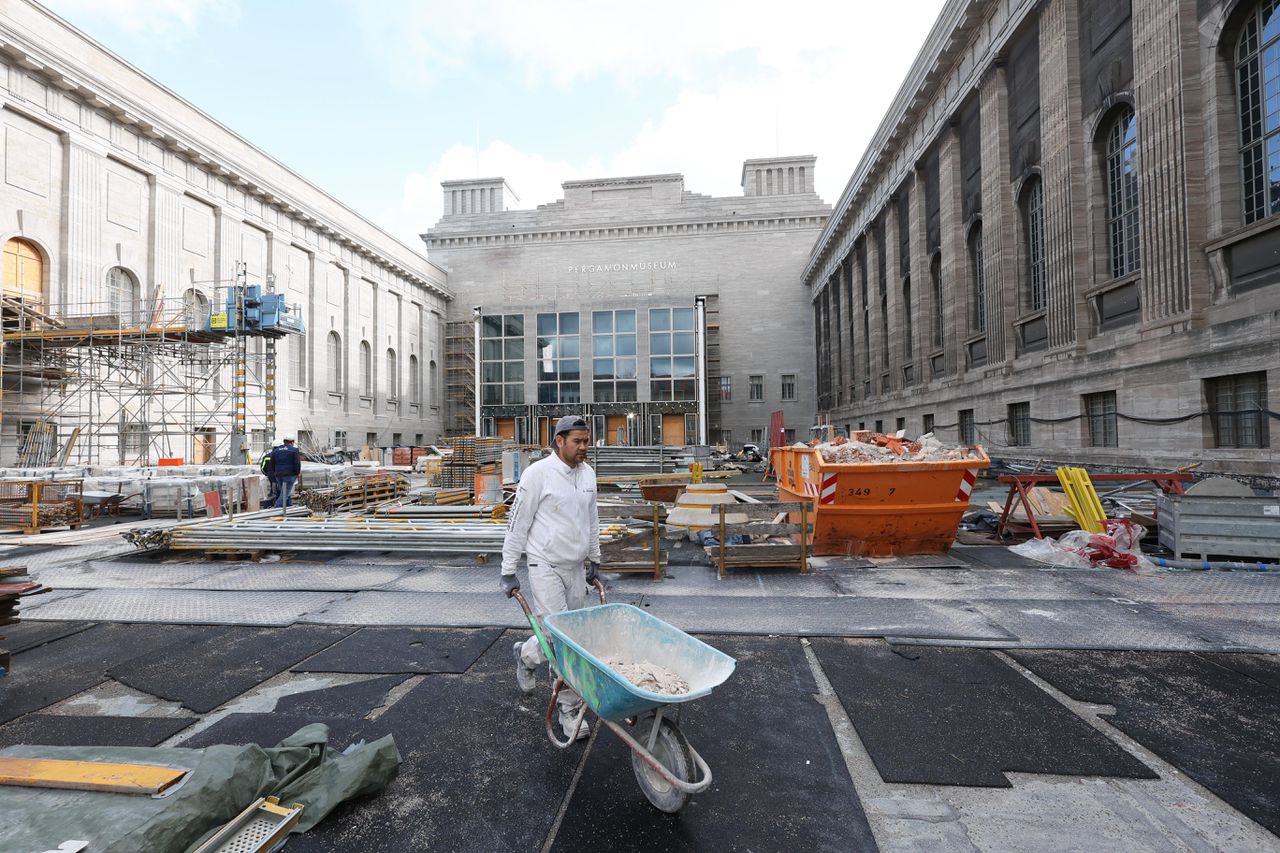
(826, 97)
(150, 17)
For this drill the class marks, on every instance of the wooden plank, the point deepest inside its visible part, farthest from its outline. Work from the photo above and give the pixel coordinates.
(88, 775)
(763, 528)
(763, 552)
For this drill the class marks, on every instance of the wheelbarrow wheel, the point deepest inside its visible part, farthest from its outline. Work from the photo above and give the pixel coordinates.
(672, 751)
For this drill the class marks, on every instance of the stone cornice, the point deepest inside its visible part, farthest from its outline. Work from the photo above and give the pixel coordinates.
(36, 59)
(631, 180)
(641, 231)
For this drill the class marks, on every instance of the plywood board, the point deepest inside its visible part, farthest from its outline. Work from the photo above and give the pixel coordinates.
(88, 775)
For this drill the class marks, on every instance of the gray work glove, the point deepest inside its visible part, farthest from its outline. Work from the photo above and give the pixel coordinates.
(593, 573)
(510, 584)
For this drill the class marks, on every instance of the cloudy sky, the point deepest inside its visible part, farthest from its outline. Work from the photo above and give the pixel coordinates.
(378, 101)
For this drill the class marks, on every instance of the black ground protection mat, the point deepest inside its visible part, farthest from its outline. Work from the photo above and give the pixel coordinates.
(267, 730)
(346, 700)
(956, 716)
(780, 781)
(58, 730)
(205, 670)
(478, 772)
(55, 671)
(1208, 715)
(28, 635)
(404, 650)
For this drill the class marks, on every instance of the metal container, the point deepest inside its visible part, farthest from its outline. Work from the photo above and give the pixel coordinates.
(1219, 517)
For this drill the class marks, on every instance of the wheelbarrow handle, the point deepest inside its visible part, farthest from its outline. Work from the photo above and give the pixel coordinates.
(536, 624)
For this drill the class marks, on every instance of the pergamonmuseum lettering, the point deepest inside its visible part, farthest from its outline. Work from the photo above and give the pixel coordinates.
(635, 267)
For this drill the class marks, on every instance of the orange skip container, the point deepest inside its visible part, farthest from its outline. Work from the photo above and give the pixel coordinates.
(881, 509)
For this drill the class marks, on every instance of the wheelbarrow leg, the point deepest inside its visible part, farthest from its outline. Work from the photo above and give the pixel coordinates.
(551, 716)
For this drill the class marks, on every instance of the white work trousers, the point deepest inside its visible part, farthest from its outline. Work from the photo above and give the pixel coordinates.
(553, 589)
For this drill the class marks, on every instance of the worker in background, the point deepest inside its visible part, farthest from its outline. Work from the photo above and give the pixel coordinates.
(268, 467)
(287, 463)
(556, 522)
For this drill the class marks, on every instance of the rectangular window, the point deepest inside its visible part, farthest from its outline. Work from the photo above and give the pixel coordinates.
(559, 359)
(789, 435)
(672, 354)
(757, 437)
(298, 361)
(927, 424)
(396, 439)
(900, 424)
(613, 356)
(968, 430)
(1100, 419)
(1237, 410)
(726, 389)
(371, 439)
(1019, 424)
(788, 386)
(755, 387)
(340, 439)
(726, 437)
(502, 360)
(417, 439)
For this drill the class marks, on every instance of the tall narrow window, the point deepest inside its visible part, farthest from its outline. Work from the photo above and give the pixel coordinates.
(968, 428)
(415, 381)
(1238, 410)
(559, 359)
(755, 387)
(1033, 231)
(908, 335)
(1122, 194)
(1257, 85)
(123, 296)
(393, 376)
(501, 360)
(788, 386)
(979, 309)
(1101, 420)
(334, 347)
(366, 369)
(935, 276)
(1019, 423)
(298, 361)
(613, 354)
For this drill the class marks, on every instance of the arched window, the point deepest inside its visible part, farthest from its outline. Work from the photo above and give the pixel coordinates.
(978, 312)
(415, 381)
(195, 308)
(1257, 82)
(334, 347)
(393, 378)
(434, 378)
(23, 270)
(907, 310)
(1033, 235)
(935, 278)
(123, 296)
(1122, 194)
(366, 369)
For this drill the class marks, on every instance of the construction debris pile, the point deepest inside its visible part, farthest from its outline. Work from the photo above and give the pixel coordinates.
(651, 676)
(872, 447)
(1118, 548)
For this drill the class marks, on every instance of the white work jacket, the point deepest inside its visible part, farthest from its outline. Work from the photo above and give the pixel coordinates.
(554, 519)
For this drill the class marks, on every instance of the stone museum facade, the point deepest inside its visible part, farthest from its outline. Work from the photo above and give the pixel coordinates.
(117, 194)
(1064, 239)
(662, 314)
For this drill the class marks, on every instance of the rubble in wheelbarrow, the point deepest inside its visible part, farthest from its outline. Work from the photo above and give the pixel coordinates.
(870, 447)
(651, 677)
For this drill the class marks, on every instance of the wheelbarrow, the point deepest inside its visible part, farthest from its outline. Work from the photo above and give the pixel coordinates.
(668, 770)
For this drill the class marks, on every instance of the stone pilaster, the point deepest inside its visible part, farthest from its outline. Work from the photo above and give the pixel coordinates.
(999, 218)
(165, 269)
(891, 353)
(83, 200)
(920, 299)
(1166, 78)
(1062, 135)
(955, 257)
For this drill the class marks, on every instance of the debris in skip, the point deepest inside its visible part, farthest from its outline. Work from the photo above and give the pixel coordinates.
(871, 447)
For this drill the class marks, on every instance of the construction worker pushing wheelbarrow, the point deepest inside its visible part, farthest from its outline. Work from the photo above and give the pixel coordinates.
(627, 666)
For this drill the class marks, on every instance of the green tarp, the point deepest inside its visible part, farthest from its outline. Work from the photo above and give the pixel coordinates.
(222, 782)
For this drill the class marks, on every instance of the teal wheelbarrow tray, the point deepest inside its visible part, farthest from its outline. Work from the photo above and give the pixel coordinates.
(578, 643)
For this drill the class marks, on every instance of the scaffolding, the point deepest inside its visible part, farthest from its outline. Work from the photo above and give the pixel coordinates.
(460, 377)
(136, 380)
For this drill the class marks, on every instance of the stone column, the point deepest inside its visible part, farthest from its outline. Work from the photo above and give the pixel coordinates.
(954, 254)
(1065, 194)
(999, 217)
(84, 200)
(920, 345)
(1166, 77)
(891, 355)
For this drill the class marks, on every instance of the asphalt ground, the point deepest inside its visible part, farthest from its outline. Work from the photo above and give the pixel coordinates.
(885, 706)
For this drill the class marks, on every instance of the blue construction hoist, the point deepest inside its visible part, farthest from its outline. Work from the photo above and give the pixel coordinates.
(249, 311)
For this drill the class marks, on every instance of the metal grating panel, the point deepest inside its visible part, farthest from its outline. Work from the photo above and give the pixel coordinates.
(186, 606)
(964, 585)
(290, 577)
(919, 561)
(1187, 587)
(1236, 627)
(105, 574)
(421, 608)
(1040, 624)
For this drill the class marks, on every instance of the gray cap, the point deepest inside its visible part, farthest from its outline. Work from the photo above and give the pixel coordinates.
(569, 423)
